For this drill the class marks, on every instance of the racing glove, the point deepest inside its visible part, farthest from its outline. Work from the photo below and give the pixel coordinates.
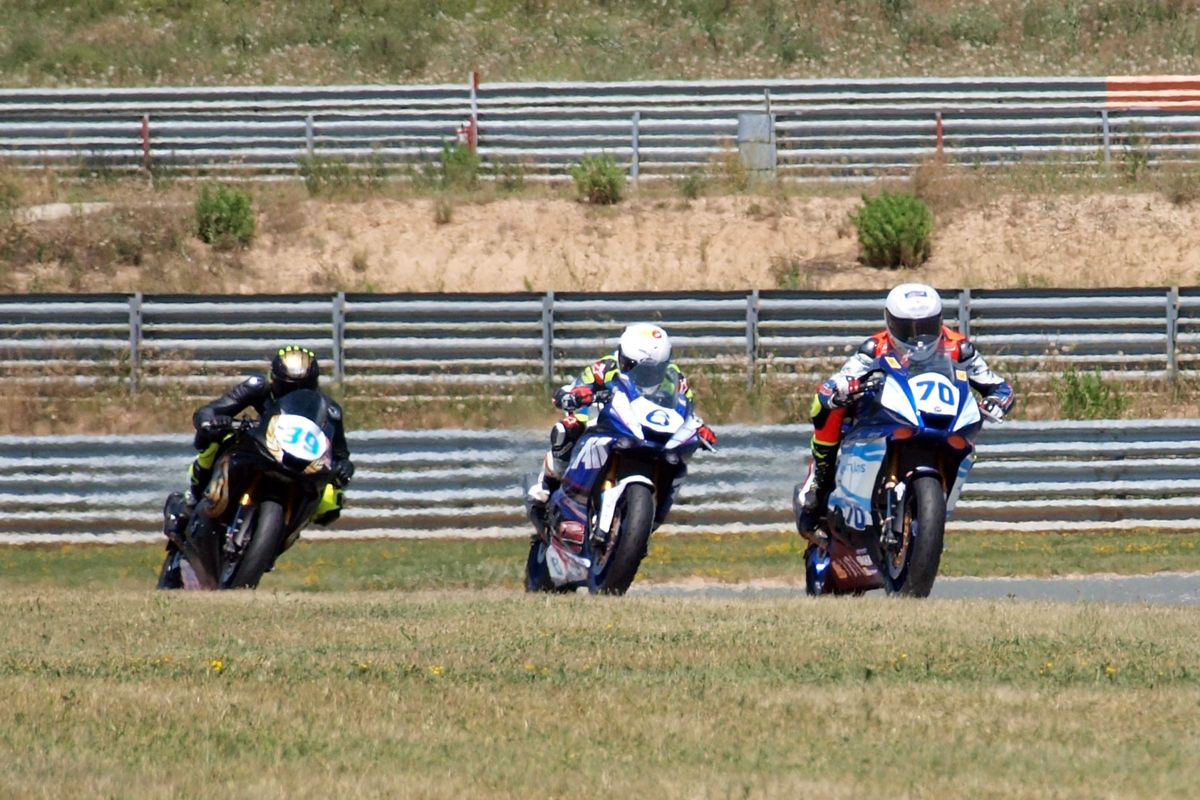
(992, 409)
(341, 473)
(578, 397)
(217, 426)
(844, 389)
(707, 436)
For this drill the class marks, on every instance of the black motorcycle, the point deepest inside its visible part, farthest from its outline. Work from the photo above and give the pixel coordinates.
(267, 481)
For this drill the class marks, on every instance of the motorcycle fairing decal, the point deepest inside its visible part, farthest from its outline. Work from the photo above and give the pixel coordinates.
(624, 411)
(593, 454)
(564, 566)
(656, 417)
(854, 483)
(897, 399)
(969, 415)
(217, 491)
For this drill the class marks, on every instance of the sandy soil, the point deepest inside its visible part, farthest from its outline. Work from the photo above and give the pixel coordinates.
(731, 242)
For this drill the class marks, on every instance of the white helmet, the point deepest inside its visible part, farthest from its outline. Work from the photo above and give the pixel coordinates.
(644, 354)
(914, 316)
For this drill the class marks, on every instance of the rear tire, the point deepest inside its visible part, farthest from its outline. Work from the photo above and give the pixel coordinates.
(537, 576)
(633, 536)
(265, 545)
(928, 509)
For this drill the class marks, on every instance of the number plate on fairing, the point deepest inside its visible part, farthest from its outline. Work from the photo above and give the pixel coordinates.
(299, 436)
(935, 394)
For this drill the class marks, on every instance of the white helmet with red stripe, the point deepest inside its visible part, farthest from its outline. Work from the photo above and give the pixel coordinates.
(644, 354)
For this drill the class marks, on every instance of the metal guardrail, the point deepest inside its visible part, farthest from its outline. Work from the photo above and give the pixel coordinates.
(1029, 476)
(400, 343)
(824, 128)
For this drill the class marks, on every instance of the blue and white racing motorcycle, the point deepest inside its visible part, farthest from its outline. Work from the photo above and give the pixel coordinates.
(902, 463)
(629, 464)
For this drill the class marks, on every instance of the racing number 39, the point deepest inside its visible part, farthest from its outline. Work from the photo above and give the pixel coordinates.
(293, 436)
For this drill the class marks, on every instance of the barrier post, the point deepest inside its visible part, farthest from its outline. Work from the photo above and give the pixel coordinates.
(1107, 133)
(339, 336)
(308, 135)
(751, 338)
(964, 312)
(146, 142)
(1172, 332)
(473, 127)
(548, 338)
(938, 127)
(135, 341)
(634, 164)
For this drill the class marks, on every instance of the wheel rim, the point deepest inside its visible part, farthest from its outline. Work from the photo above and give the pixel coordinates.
(897, 559)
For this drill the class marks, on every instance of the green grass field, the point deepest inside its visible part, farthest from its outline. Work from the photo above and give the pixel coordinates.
(418, 669)
(420, 564)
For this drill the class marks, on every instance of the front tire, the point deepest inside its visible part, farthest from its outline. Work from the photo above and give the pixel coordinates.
(925, 521)
(633, 536)
(265, 545)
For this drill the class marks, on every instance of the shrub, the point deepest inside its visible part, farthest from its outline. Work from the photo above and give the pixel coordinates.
(325, 175)
(224, 216)
(692, 184)
(460, 166)
(1085, 395)
(599, 180)
(894, 230)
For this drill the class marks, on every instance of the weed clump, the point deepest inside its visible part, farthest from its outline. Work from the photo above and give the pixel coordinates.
(894, 230)
(599, 180)
(460, 166)
(224, 216)
(1086, 395)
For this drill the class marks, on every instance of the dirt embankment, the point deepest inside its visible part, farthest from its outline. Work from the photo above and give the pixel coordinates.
(646, 243)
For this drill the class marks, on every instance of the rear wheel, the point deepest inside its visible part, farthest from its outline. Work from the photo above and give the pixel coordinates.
(265, 545)
(912, 566)
(633, 535)
(537, 576)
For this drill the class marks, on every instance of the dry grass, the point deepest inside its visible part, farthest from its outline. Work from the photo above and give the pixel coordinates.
(468, 694)
(123, 42)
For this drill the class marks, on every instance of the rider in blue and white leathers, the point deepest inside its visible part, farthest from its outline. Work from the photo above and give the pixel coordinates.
(644, 355)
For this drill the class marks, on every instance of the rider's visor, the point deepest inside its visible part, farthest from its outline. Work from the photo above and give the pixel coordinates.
(648, 376)
(914, 331)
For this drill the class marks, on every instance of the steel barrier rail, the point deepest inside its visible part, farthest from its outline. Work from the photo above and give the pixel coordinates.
(1108, 474)
(825, 128)
(403, 342)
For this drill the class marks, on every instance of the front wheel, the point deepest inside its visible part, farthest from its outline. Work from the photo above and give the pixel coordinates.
(912, 566)
(265, 545)
(537, 576)
(633, 536)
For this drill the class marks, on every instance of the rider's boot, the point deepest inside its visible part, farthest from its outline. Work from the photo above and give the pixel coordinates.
(536, 499)
(812, 496)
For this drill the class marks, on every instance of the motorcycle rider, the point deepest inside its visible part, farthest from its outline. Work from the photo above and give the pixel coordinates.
(913, 317)
(644, 353)
(292, 368)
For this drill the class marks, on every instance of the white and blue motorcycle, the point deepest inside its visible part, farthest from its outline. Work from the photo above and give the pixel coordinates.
(628, 464)
(902, 463)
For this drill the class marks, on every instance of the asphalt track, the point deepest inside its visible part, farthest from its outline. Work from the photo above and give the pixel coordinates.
(1177, 589)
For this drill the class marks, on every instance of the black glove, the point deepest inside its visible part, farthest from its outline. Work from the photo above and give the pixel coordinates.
(341, 473)
(217, 425)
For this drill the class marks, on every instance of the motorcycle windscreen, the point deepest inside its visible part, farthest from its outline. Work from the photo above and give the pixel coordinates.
(310, 405)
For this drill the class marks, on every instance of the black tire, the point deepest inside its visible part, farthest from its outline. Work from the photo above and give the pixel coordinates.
(633, 535)
(537, 578)
(169, 577)
(927, 505)
(265, 545)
